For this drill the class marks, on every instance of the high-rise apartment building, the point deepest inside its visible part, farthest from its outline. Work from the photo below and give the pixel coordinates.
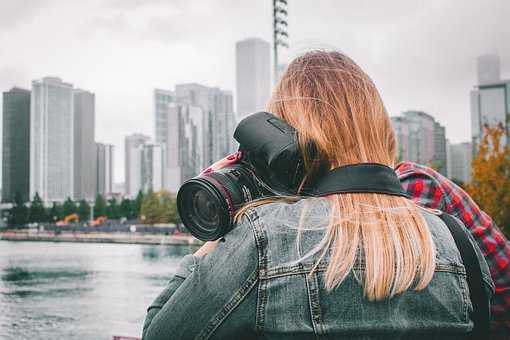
(185, 148)
(253, 76)
(161, 100)
(490, 100)
(460, 157)
(217, 108)
(401, 127)
(16, 144)
(208, 112)
(422, 132)
(152, 170)
(105, 168)
(421, 139)
(52, 139)
(439, 161)
(85, 156)
(133, 163)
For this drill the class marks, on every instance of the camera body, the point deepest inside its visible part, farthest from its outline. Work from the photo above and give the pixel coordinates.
(271, 164)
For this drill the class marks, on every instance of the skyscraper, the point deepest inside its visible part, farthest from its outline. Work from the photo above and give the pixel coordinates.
(133, 163)
(422, 133)
(85, 156)
(217, 108)
(253, 76)
(161, 100)
(185, 148)
(194, 114)
(105, 177)
(490, 100)
(51, 139)
(460, 158)
(439, 160)
(421, 139)
(401, 127)
(16, 144)
(152, 170)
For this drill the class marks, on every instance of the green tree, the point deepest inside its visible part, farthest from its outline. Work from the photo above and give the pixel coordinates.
(138, 204)
(83, 210)
(69, 207)
(151, 211)
(19, 212)
(37, 212)
(55, 213)
(127, 209)
(99, 206)
(169, 208)
(113, 210)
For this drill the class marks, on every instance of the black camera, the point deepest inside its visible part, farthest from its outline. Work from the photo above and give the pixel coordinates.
(271, 164)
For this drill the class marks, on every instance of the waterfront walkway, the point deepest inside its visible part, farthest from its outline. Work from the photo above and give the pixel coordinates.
(98, 237)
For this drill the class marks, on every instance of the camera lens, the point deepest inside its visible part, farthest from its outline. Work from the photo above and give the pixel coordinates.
(206, 208)
(207, 203)
(202, 209)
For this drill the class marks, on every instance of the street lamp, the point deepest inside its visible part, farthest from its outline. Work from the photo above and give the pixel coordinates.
(280, 33)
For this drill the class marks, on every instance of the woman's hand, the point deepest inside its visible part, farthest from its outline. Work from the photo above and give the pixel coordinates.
(206, 248)
(230, 159)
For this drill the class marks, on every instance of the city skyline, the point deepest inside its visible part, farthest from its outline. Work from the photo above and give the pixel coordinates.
(409, 76)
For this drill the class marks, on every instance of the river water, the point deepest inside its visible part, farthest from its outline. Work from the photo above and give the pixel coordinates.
(80, 290)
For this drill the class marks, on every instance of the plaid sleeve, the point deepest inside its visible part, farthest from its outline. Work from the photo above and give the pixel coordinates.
(430, 189)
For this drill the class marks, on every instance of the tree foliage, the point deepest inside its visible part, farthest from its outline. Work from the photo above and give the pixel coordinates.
(99, 206)
(37, 212)
(138, 203)
(112, 209)
(127, 209)
(55, 213)
(69, 207)
(160, 207)
(19, 212)
(83, 210)
(490, 186)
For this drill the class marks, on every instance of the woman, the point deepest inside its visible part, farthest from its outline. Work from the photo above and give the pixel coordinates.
(345, 266)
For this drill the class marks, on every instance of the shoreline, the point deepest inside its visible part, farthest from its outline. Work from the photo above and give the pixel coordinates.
(98, 237)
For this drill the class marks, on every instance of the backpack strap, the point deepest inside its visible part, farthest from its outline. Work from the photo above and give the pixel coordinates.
(477, 292)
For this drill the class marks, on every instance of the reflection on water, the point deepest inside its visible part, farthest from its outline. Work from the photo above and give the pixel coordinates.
(79, 291)
(26, 275)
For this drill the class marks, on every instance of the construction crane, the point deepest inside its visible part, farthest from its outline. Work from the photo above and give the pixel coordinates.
(68, 219)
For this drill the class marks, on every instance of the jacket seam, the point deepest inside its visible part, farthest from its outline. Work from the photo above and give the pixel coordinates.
(299, 270)
(234, 301)
(312, 285)
(465, 298)
(261, 242)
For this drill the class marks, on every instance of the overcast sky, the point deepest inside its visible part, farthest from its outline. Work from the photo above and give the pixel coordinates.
(421, 54)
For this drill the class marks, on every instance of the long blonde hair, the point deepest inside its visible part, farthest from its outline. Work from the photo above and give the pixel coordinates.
(332, 102)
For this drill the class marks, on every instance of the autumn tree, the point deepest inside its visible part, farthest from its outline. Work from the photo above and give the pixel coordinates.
(490, 185)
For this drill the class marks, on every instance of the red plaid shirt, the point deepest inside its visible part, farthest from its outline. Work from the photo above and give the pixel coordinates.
(430, 189)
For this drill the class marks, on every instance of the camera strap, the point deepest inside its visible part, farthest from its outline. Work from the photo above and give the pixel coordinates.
(357, 178)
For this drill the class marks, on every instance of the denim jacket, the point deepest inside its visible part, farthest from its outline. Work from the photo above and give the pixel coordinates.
(256, 284)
